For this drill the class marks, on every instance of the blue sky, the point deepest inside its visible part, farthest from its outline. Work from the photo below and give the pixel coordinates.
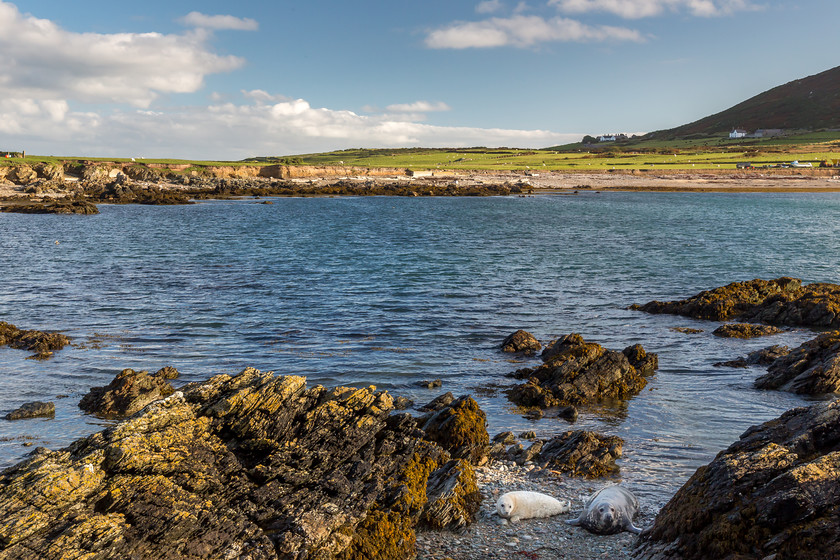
(229, 80)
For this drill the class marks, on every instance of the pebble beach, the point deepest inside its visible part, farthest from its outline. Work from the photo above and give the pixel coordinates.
(492, 537)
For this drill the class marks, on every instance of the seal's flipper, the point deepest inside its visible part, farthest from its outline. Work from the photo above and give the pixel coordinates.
(633, 529)
(573, 522)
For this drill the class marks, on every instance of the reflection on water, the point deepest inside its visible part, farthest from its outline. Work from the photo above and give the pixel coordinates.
(391, 291)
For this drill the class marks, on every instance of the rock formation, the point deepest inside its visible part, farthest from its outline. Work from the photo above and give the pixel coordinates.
(582, 453)
(461, 429)
(521, 342)
(35, 409)
(784, 301)
(763, 357)
(775, 493)
(128, 393)
(40, 342)
(576, 372)
(251, 466)
(811, 369)
(745, 330)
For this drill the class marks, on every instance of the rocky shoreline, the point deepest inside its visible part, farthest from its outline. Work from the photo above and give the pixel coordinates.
(76, 187)
(261, 466)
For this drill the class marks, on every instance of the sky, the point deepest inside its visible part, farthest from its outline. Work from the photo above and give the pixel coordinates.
(218, 80)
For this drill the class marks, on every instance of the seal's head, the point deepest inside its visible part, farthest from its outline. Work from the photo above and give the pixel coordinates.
(604, 519)
(505, 505)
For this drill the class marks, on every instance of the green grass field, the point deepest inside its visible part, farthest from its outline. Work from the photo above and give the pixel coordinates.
(696, 154)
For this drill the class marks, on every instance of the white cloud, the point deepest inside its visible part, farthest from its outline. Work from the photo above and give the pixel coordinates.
(634, 9)
(419, 107)
(524, 31)
(234, 131)
(489, 6)
(197, 19)
(44, 62)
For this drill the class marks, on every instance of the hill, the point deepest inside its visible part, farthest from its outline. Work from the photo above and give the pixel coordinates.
(809, 103)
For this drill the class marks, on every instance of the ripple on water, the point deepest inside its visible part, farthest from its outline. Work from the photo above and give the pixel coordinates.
(391, 291)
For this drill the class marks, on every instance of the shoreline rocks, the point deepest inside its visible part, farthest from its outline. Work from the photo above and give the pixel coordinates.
(576, 373)
(811, 369)
(521, 342)
(254, 463)
(35, 409)
(128, 393)
(783, 301)
(745, 330)
(772, 494)
(40, 342)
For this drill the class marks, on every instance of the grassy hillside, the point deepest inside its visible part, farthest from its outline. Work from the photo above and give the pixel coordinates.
(811, 103)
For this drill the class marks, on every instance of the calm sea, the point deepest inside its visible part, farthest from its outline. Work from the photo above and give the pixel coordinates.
(393, 291)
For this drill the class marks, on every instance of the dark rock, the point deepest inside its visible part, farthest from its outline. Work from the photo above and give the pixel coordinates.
(784, 301)
(745, 330)
(569, 413)
(736, 363)
(811, 369)
(41, 342)
(128, 393)
(522, 373)
(402, 403)
(686, 330)
(453, 497)
(497, 451)
(577, 372)
(433, 384)
(255, 464)
(529, 435)
(775, 493)
(35, 409)
(438, 403)
(57, 206)
(644, 363)
(763, 357)
(521, 455)
(461, 429)
(582, 453)
(505, 438)
(725, 302)
(534, 414)
(521, 342)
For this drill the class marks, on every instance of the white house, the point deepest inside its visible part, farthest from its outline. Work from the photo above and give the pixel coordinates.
(737, 133)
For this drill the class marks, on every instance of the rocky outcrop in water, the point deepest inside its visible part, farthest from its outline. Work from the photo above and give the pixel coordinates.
(521, 342)
(784, 301)
(35, 409)
(811, 369)
(763, 357)
(129, 392)
(40, 342)
(58, 206)
(576, 372)
(745, 330)
(251, 466)
(773, 494)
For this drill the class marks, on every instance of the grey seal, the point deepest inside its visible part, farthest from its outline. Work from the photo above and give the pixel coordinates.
(608, 511)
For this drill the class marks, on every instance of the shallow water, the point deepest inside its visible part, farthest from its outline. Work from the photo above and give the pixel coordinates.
(391, 291)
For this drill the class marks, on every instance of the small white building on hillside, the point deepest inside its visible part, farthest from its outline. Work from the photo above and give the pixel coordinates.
(738, 133)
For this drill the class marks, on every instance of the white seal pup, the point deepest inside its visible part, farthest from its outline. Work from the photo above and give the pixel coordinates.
(608, 511)
(526, 505)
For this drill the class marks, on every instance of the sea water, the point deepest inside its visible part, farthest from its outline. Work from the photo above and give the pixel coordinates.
(390, 291)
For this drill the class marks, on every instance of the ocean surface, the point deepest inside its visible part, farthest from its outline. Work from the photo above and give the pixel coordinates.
(393, 291)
